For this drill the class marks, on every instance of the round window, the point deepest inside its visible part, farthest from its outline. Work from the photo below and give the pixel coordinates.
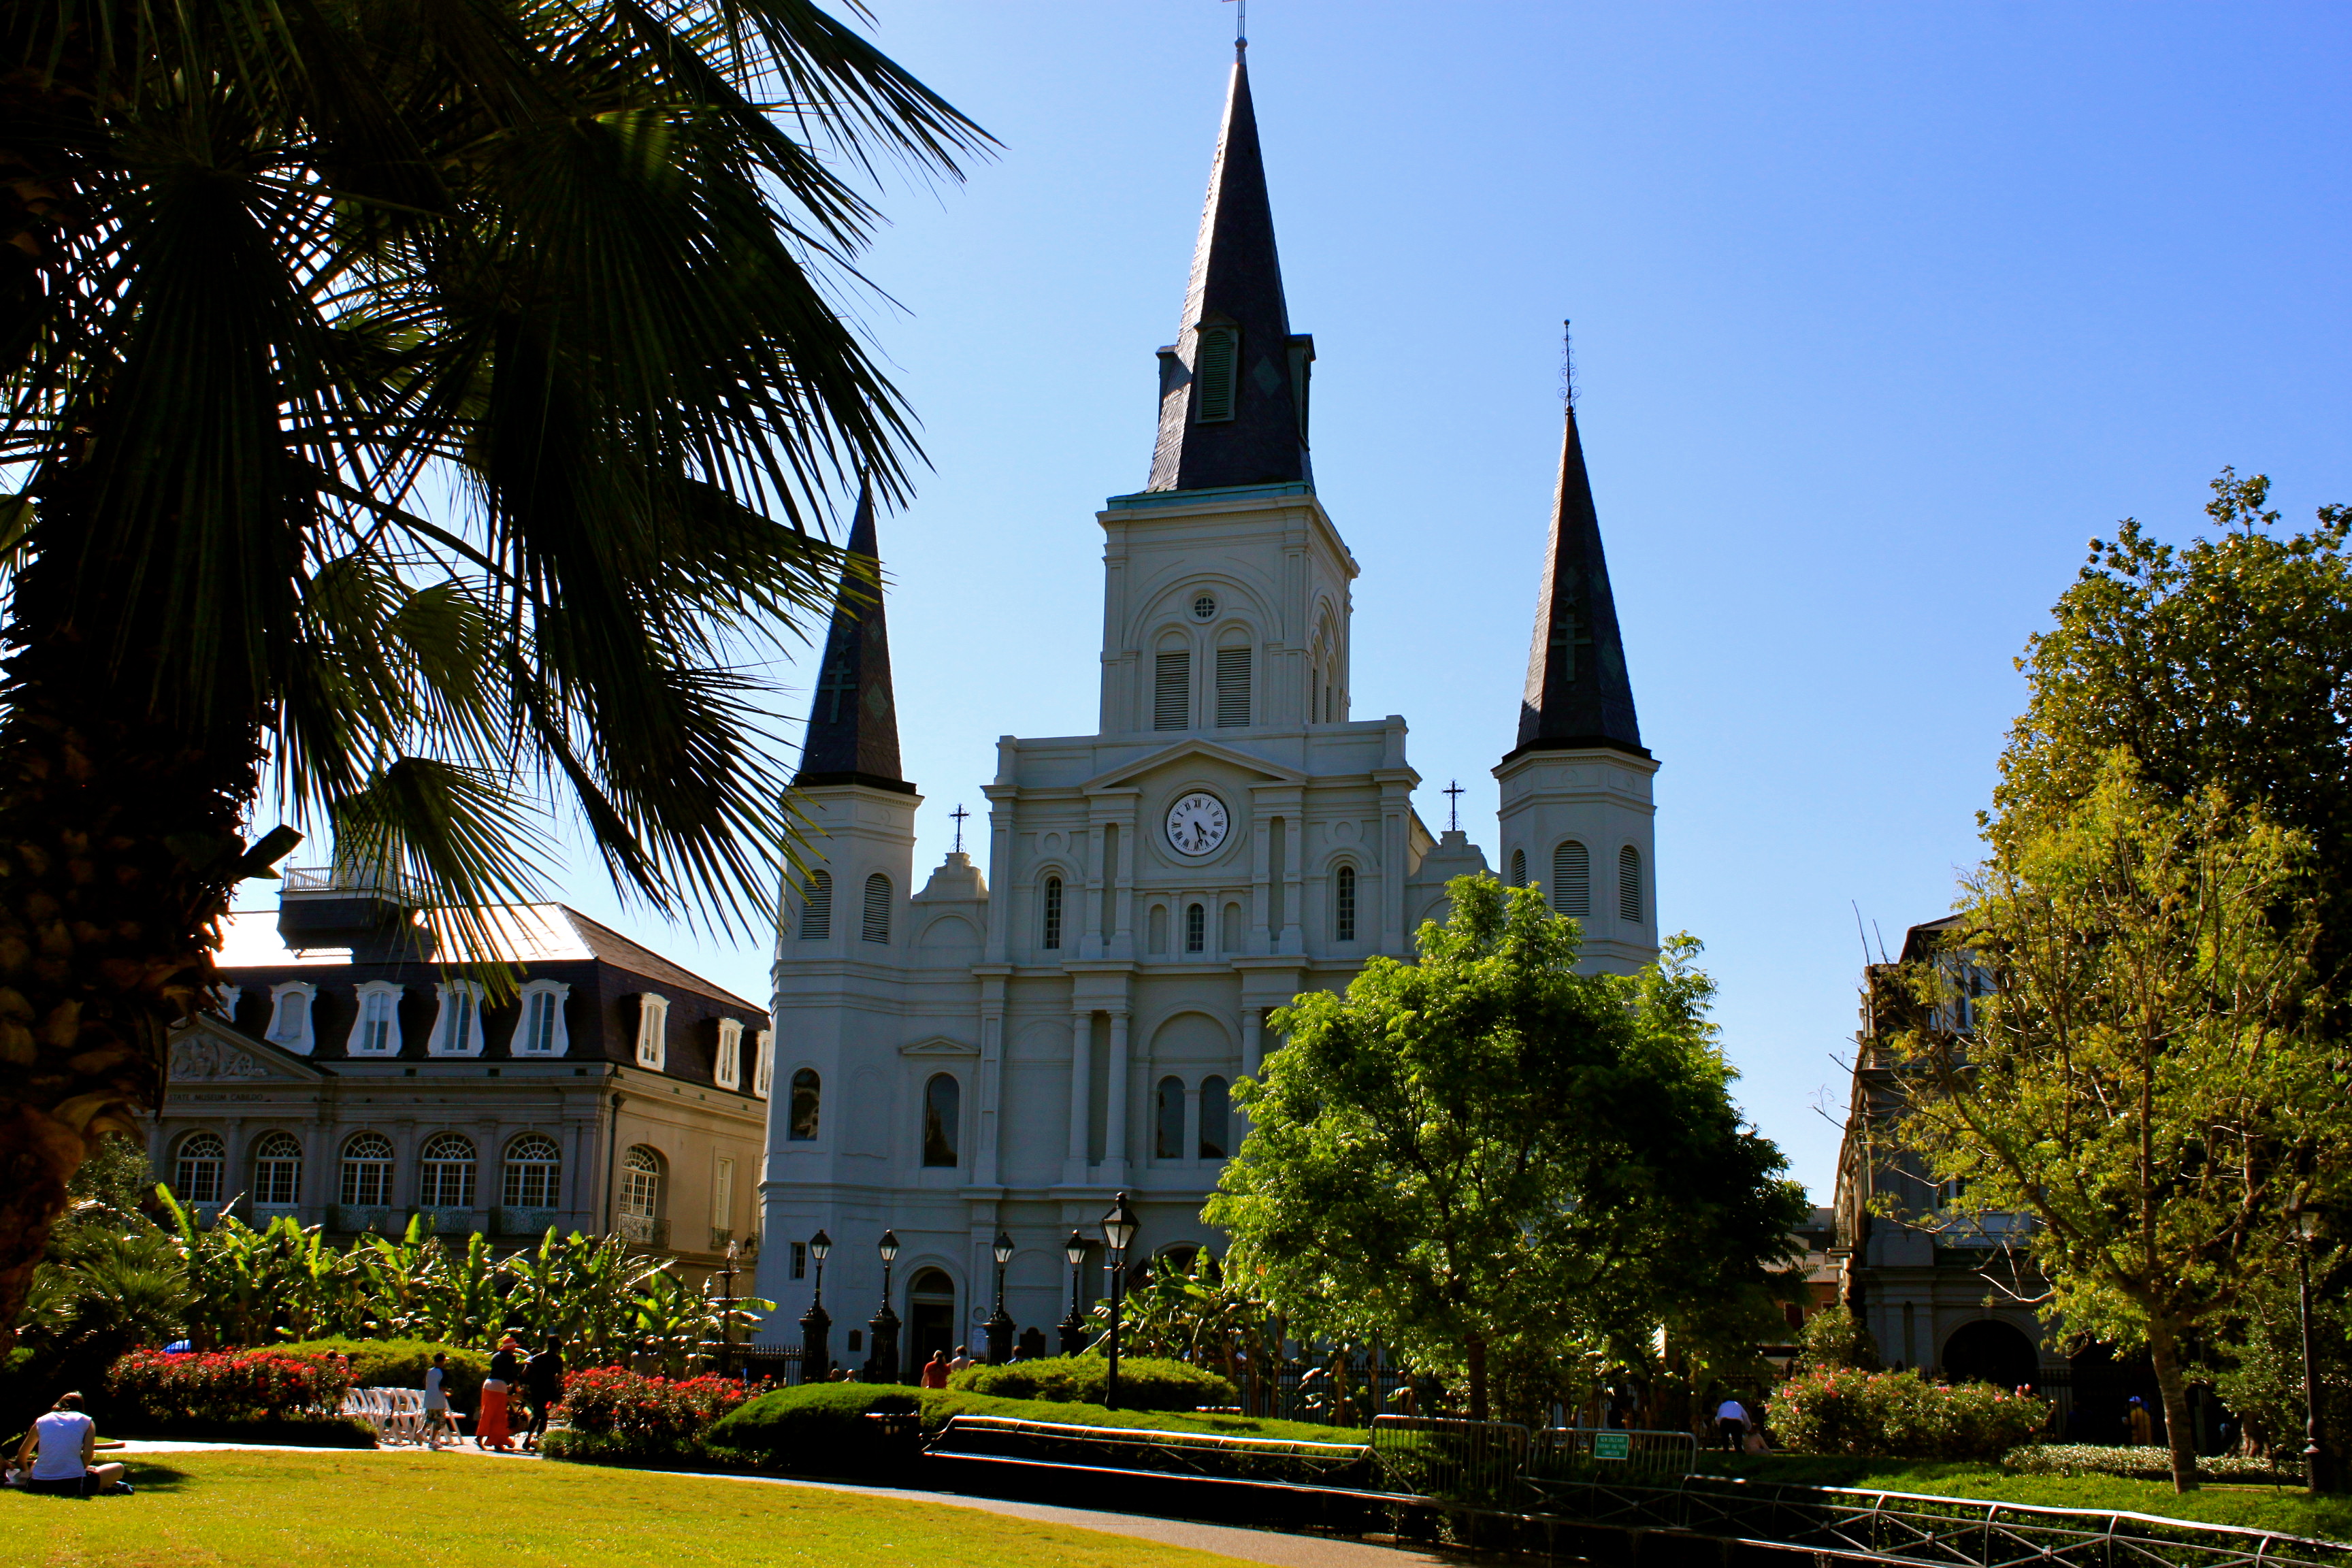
(1204, 608)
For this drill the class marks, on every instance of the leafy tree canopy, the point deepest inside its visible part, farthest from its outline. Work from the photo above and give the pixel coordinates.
(1486, 1150)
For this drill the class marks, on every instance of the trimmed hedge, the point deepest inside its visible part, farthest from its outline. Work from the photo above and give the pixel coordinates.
(402, 1363)
(1900, 1415)
(1145, 1382)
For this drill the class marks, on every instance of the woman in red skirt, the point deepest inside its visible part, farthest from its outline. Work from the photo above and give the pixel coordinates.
(490, 1427)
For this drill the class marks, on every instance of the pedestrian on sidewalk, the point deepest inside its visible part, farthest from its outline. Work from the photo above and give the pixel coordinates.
(506, 1371)
(543, 1378)
(935, 1370)
(437, 1402)
(1730, 1424)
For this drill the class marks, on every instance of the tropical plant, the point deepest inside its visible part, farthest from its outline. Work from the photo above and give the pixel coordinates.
(1487, 1145)
(431, 403)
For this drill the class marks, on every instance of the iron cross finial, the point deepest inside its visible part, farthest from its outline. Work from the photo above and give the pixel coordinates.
(1453, 792)
(958, 814)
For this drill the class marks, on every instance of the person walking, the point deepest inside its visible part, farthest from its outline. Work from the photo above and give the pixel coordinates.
(437, 1402)
(506, 1371)
(935, 1370)
(58, 1452)
(2143, 1429)
(1730, 1423)
(542, 1376)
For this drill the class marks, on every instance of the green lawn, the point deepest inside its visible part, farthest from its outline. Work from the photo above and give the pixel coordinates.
(2258, 1507)
(440, 1511)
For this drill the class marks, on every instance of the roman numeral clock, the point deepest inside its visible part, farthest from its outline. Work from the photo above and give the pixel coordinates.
(1197, 824)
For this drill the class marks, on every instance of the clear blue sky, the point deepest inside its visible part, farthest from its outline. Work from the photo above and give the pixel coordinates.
(1882, 312)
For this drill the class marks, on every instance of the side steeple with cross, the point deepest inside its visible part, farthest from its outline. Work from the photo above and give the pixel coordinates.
(853, 729)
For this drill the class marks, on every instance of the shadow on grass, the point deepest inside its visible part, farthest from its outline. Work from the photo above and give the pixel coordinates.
(147, 1476)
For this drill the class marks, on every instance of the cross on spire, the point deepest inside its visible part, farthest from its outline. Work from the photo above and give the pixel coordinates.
(958, 816)
(1453, 792)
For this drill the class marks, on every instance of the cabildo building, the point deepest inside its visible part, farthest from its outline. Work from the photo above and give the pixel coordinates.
(1003, 1051)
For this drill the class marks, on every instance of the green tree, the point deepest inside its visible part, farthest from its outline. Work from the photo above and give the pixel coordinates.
(430, 404)
(1485, 1153)
(2138, 1079)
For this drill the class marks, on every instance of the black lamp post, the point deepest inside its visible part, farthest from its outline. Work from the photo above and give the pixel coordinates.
(2306, 1231)
(727, 1323)
(882, 1366)
(816, 1355)
(999, 1323)
(1118, 1228)
(1073, 1328)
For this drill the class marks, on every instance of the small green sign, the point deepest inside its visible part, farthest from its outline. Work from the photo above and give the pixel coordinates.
(1612, 1444)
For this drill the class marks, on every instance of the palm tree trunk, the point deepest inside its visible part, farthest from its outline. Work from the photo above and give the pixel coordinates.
(119, 844)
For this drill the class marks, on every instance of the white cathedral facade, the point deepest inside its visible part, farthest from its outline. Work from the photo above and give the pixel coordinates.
(1001, 1052)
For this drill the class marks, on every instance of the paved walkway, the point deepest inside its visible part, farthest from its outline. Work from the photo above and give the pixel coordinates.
(1249, 1545)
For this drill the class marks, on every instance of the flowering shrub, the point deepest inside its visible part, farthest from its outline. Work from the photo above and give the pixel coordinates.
(226, 1385)
(646, 1413)
(1901, 1415)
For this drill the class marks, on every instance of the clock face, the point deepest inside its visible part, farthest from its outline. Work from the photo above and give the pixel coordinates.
(1197, 824)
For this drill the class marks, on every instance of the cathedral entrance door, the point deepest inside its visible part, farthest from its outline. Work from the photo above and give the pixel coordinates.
(930, 1319)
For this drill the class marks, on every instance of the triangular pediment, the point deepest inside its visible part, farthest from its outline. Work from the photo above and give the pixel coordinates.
(939, 1045)
(1193, 746)
(206, 1050)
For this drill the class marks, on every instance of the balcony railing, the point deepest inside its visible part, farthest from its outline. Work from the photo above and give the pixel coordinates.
(509, 1220)
(643, 1230)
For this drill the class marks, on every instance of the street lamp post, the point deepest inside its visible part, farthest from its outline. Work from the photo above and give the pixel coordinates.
(999, 1323)
(2306, 1231)
(1118, 1228)
(882, 1366)
(727, 1323)
(1073, 1328)
(816, 1355)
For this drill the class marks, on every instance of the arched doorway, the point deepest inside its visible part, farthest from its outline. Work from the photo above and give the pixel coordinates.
(1989, 1350)
(930, 1319)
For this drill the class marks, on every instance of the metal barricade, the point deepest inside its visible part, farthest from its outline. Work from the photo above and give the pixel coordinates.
(1463, 1461)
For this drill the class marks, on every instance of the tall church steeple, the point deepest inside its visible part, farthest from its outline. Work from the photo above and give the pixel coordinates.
(1233, 387)
(1576, 694)
(853, 729)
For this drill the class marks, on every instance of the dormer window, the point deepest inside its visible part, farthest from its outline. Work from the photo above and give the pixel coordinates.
(727, 1072)
(458, 1030)
(539, 1031)
(1214, 363)
(289, 1016)
(653, 1031)
(376, 1031)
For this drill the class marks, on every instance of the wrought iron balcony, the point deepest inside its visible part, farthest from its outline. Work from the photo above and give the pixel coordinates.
(643, 1230)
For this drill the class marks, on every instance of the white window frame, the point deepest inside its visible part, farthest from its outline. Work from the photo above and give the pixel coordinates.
(653, 1030)
(450, 991)
(559, 1041)
(726, 1071)
(302, 1042)
(225, 1001)
(722, 1191)
(356, 1046)
(763, 1063)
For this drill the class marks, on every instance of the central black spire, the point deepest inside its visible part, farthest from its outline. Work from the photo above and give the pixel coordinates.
(853, 729)
(1233, 387)
(1578, 694)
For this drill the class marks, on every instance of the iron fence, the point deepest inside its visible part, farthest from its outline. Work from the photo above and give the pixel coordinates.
(1435, 1455)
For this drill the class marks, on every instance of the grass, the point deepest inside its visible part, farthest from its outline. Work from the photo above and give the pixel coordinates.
(955, 1402)
(293, 1511)
(2257, 1506)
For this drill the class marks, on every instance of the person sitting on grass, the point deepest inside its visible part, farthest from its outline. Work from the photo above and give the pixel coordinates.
(58, 1451)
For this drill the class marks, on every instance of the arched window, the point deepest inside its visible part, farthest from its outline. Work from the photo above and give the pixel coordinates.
(1571, 879)
(1167, 1121)
(1628, 885)
(277, 1170)
(1518, 867)
(1233, 688)
(1343, 905)
(878, 908)
(534, 1171)
(445, 1172)
(640, 1185)
(1050, 937)
(942, 1111)
(1214, 360)
(727, 1068)
(367, 1171)
(1171, 688)
(816, 906)
(807, 1101)
(1216, 1120)
(376, 1031)
(197, 1175)
(1196, 928)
